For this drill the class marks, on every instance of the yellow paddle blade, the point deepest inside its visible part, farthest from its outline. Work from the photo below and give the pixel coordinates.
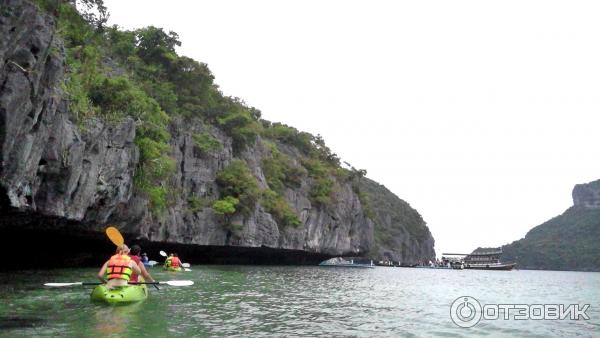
(115, 236)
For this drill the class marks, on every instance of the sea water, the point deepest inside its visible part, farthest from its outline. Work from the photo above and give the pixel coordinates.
(299, 301)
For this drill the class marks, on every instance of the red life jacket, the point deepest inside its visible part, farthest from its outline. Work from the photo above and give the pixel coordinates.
(134, 276)
(118, 267)
(175, 262)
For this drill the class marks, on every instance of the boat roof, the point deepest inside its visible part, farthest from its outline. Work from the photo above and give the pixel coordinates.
(478, 252)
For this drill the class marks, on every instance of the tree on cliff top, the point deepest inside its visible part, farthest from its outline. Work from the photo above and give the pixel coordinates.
(92, 11)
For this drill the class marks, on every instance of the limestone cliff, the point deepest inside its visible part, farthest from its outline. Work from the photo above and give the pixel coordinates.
(400, 232)
(57, 173)
(587, 195)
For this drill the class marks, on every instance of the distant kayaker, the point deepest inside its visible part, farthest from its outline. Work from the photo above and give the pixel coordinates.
(168, 261)
(175, 262)
(118, 269)
(144, 258)
(135, 256)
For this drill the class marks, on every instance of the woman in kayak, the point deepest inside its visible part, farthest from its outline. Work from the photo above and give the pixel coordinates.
(172, 261)
(175, 262)
(118, 268)
(135, 256)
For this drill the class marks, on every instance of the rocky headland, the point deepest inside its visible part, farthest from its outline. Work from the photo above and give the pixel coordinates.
(66, 173)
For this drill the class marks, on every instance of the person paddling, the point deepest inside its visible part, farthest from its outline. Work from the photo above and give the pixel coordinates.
(168, 261)
(135, 256)
(175, 262)
(144, 258)
(118, 269)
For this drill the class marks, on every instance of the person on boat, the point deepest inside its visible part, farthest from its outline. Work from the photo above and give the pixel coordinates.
(144, 258)
(135, 256)
(118, 269)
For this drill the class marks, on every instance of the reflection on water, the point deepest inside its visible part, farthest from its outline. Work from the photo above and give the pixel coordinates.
(303, 301)
(114, 320)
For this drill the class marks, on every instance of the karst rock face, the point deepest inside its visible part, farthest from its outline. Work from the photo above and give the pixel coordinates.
(587, 195)
(82, 174)
(48, 164)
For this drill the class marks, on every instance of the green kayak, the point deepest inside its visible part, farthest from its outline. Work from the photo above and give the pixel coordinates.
(120, 295)
(173, 269)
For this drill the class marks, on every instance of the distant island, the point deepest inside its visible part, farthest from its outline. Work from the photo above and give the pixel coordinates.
(570, 241)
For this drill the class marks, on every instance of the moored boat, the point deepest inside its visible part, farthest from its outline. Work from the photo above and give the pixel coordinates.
(484, 259)
(495, 266)
(445, 263)
(348, 263)
(432, 267)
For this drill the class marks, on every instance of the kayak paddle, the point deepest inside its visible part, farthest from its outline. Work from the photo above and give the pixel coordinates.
(71, 284)
(170, 282)
(115, 236)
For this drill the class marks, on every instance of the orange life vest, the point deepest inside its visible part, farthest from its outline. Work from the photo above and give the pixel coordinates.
(118, 267)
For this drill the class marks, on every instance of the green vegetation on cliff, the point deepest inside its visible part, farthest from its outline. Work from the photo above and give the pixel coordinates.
(237, 181)
(398, 226)
(277, 206)
(280, 172)
(206, 143)
(240, 193)
(566, 242)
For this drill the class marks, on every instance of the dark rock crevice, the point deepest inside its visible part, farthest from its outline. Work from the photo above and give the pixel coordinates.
(43, 241)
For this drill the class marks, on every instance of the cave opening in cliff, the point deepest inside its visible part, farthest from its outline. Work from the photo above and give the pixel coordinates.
(37, 249)
(50, 242)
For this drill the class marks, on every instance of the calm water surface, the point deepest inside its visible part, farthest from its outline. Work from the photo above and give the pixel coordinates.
(296, 301)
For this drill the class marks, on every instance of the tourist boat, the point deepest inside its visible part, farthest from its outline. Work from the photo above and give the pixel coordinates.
(433, 267)
(348, 263)
(445, 263)
(484, 259)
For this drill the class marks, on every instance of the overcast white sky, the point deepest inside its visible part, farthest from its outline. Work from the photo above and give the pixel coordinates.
(482, 115)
